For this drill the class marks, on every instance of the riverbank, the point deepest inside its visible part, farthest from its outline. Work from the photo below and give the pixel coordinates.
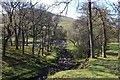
(99, 68)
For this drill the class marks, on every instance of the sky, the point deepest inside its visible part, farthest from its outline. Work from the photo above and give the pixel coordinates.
(71, 9)
(72, 6)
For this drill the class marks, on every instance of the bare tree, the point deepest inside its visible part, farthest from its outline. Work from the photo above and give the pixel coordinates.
(9, 8)
(116, 8)
(103, 19)
(22, 21)
(91, 31)
(119, 29)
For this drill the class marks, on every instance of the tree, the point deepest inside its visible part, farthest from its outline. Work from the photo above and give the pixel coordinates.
(117, 10)
(91, 31)
(91, 41)
(119, 29)
(22, 21)
(79, 36)
(32, 24)
(103, 19)
(9, 8)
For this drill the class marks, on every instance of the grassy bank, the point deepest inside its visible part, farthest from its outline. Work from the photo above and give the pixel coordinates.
(98, 67)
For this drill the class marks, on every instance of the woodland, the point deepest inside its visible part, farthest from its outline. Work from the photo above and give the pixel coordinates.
(37, 44)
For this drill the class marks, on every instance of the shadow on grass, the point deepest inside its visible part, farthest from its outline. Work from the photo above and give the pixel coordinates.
(99, 58)
(112, 54)
(18, 69)
(11, 60)
(27, 68)
(105, 65)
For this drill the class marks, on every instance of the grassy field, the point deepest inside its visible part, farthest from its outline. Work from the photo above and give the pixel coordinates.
(14, 66)
(98, 67)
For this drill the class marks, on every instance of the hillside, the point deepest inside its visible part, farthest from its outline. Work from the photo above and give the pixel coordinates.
(66, 22)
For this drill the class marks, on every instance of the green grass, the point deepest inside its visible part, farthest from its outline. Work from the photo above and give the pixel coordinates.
(16, 67)
(29, 39)
(66, 24)
(112, 47)
(99, 67)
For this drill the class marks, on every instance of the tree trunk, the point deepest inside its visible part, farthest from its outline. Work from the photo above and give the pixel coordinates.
(33, 46)
(16, 39)
(42, 50)
(5, 38)
(48, 40)
(23, 43)
(4, 48)
(4, 42)
(103, 18)
(26, 39)
(42, 46)
(11, 41)
(16, 33)
(39, 51)
(119, 43)
(105, 42)
(33, 31)
(91, 32)
(119, 30)
(101, 50)
(89, 49)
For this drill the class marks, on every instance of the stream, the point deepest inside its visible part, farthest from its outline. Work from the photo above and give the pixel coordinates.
(63, 62)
